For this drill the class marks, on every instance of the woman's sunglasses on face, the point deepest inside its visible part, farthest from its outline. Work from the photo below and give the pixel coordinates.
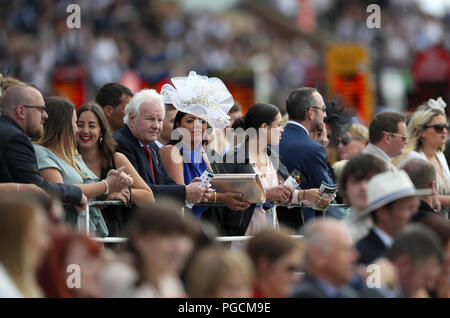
(438, 127)
(345, 140)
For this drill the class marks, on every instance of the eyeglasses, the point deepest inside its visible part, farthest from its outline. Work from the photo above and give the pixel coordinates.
(345, 140)
(404, 138)
(40, 108)
(321, 108)
(438, 127)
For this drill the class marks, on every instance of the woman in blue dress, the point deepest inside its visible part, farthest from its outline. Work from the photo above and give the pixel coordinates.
(200, 101)
(185, 159)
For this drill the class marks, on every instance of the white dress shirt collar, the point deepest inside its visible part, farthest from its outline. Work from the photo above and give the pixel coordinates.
(298, 124)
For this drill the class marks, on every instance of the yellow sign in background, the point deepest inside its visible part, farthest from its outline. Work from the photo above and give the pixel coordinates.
(349, 75)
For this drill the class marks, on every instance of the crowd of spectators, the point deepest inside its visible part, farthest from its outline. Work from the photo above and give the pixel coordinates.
(160, 39)
(393, 175)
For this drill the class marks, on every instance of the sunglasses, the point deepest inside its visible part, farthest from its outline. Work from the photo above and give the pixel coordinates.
(404, 138)
(321, 108)
(345, 140)
(438, 127)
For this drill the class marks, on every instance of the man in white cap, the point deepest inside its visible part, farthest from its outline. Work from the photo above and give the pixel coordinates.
(392, 200)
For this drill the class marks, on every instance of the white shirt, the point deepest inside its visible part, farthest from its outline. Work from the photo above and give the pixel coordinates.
(160, 145)
(298, 124)
(383, 236)
(385, 154)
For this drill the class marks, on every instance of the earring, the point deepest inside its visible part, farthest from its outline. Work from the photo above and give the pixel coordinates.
(100, 140)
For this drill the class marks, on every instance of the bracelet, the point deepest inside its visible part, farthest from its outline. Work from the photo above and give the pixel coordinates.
(304, 191)
(107, 187)
(215, 197)
(18, 187)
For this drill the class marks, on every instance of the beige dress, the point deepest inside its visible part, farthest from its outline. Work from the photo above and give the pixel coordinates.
(262, 218)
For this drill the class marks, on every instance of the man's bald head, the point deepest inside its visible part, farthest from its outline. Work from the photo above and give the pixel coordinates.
(25, 105)
(330, 254)
(323, 232)
(18, 95)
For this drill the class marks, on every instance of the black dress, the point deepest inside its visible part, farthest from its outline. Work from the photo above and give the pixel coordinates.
(116, 216)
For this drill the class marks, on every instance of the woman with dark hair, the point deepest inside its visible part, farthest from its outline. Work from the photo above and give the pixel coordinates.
(59, 162)
(185, 159)
(277, 259)
(262, 127)
(98, 149)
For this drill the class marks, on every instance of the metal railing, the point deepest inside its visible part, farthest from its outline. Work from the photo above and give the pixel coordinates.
(84, 217)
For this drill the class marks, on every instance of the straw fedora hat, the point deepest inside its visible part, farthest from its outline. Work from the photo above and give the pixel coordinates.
(390, 186)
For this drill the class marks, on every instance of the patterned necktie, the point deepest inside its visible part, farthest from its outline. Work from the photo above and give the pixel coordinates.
(148, 154)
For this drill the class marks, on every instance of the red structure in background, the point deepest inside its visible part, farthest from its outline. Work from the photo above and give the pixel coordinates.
(431, 76)
(352, 91)
(70, 82)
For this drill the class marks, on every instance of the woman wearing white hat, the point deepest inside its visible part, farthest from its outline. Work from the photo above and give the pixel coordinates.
(427, 133)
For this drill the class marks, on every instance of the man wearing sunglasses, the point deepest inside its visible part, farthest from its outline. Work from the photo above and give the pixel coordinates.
(387, 137)
(23, 115)
(298, 150)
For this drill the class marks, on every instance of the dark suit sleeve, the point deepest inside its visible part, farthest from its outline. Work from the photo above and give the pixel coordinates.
(21, 164)
(166, 186)
(318, 169)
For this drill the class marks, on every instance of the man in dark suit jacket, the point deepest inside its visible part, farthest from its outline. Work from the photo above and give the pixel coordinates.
(392, 201)
(143, 123)
(329, 258)
(306, 110)
(23, 115)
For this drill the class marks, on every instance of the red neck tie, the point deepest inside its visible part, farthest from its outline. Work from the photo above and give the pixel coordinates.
(148, 154)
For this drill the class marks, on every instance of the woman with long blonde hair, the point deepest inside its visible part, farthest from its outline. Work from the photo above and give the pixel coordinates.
(59, 162)
(23, 241)
(427, 133)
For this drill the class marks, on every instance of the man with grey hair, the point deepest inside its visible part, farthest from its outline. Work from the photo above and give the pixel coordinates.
(143, 119)
(23, 115)
(417, 254)
(329, 260)
(423, 176)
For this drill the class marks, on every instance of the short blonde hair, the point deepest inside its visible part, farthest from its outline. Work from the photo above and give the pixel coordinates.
(359, 131)
(213, 266)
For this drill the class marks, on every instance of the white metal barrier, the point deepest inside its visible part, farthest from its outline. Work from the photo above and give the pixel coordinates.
(83, 224)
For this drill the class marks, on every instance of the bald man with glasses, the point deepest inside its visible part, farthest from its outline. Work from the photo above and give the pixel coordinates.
(23, 116)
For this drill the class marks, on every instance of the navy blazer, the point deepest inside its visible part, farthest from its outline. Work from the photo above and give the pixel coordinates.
(370, 248)
(19, 163)
(164, 185)
(309, 157)
(308, 287)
